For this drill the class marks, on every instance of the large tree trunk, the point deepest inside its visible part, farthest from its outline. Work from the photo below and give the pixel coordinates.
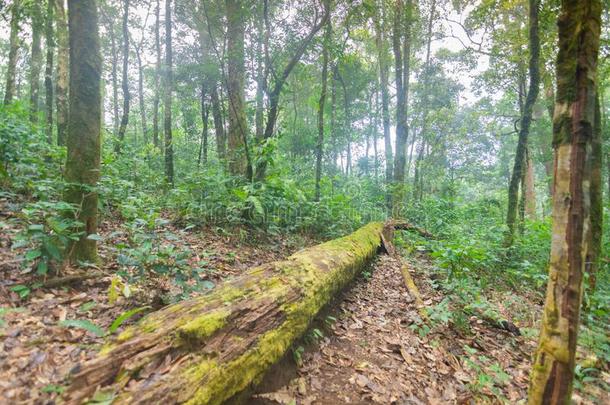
(223, 342)
(48, 74)
(553, 369)
(125, 80)
(83, 161)
(167, 96)
(322, 102)
(238, 126)
(526, 120)
(63, 60)
(13, 53)
(36, 60)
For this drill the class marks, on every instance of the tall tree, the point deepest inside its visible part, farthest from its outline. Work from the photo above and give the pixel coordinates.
(401, 44)
(205, 112)
(384, 71)
(14, 43)
(63, 60)
(579, 38)
(157, 96)
(236, 80)
(48, 74)
(125, 79)
(526, 120)
(322, 101)
(167, 96)
(36, 59)
(83, 141)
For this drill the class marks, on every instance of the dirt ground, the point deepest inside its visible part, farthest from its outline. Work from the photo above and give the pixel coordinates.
(374, 353)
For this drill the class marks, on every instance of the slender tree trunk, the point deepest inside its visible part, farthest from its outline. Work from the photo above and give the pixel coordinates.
(167, 96)
(205, 111)
(322, 101)
(526, 119)
(157, 97)
(83, 141)
(63, 60)
(333, 114)
(114, 75)
(48, 74)
(597, 198)
(141, 95)
(36, 60)
(347, 122)
(221, 139)
(402, 50)
(375, 135)
(553, 368)
(13, 53)
(125, 80)
(382, 51)
(261, 86)
(530, 188)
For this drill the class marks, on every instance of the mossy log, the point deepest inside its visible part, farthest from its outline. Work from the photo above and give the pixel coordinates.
(207, 350)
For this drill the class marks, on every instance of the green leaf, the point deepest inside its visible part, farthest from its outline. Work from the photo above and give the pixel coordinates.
(42, 268)
(52, 388)
(83, 324)
(22, 290)
(52, 249)
(125, 316)
(94, 236)
(36, 227)
(32, 254)
(87, 306)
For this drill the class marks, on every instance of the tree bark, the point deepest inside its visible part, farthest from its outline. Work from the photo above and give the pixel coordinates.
(125, 79)
(203, 148)
(597, 198)
(401, 43)
(13, 53)
(530, 188)
(553, 368)
(167, 96)
(114, 74)
(526, 120)
(236, 80)
(219, 130)
(380, 43)
(322, 102)
(36, 60)
(223, 342)
(157, 75)
(63, 60)
(48, 74)
(83, 160)
(141, 94)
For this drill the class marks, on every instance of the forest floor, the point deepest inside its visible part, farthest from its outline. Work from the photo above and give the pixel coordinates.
(374, 353)
(373, 349)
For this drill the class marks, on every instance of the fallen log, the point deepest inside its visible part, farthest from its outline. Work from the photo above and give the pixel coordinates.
(209, 349)
(413, 290)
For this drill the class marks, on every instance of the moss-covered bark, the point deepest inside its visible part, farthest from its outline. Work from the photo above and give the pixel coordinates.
(83, 161)
(553, 368)
(526, 120)
(218, 345)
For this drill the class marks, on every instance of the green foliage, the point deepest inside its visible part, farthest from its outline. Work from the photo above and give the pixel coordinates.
(98, 331)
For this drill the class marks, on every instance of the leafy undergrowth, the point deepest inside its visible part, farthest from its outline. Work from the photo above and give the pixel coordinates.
(375, 348)
(144, 264)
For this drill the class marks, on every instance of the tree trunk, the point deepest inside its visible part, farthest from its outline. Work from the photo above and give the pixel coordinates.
(141, 94)
(530, 188)
(48, 74)
(221, 138)
(322, 102)
(222, 343)
(36, 60)
(13, 53)
(597, 198)
(236, 80)
(401, 43)
(167, 96)
(63, 60)
(261, 80)
(380, 43)
(526, 120)
(553, 369)
(203, 148)
(114, 75)
(125, 80)
(157, 75)
(347, 122)
(83, 161)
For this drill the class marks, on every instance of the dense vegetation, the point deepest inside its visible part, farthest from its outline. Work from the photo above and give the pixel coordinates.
(312, 118)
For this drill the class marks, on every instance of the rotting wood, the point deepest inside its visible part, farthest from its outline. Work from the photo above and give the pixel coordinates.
(407, 226)
(413, 290)
(206, 350)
